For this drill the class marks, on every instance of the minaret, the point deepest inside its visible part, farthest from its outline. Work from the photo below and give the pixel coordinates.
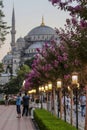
(13, 31)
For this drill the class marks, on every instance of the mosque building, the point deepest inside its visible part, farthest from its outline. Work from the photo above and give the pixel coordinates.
(25, 48)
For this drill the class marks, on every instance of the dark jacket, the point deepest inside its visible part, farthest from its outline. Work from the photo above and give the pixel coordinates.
(25, 100)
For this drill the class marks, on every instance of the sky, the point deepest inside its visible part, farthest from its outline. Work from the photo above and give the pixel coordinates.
(28, 15)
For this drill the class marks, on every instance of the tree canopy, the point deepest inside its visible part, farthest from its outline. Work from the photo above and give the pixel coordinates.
(59, 61)
(3, 24)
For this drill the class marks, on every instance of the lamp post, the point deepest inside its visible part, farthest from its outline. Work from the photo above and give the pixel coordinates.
(40, 98)
(51, 96)
(75, 83)
(59, 96)
(41, 89)
(47, 96)
(64, 95)
(71, 95)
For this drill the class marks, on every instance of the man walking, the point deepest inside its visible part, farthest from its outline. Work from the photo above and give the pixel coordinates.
(25, 104)
(83, 104)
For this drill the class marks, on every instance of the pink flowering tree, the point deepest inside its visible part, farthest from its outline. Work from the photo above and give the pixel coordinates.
(59, 60)
(75, 32)
(75, 35)
(51, 63)
(75, 7)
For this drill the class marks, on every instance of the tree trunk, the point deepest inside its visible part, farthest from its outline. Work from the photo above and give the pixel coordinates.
(71, 94)
(54, 111)
(60, 96)
(86, 110)
(84, 76)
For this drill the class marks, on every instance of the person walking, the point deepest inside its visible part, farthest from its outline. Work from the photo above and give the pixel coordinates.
(18, 105)
(25, 104)
(6, 100)
(83, 104)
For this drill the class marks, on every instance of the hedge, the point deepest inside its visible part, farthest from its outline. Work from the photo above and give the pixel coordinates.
(11, 102)
(46, 121)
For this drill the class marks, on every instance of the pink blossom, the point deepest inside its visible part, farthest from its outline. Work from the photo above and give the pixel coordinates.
(60, 58)
(65, 66)
(65, 56)
(55, 1)
(74, 21)
(66, 77)
(56, 63)
(83, 23)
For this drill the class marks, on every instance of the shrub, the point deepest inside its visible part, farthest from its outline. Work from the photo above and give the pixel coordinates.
(46, 121)
(11, 102)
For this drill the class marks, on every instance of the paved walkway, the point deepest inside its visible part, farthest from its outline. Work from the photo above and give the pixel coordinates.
(8, 120)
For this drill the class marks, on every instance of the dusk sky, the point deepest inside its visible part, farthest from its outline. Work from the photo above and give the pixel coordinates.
(28, 14)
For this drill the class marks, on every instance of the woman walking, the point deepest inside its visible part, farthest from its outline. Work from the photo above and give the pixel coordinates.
(18, 105)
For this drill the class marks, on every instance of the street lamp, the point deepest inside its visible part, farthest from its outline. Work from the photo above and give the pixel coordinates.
(46, 87)
(75, 82)
(51, 96)
(50, 86)
(71, 102)
(32, 91)
(59, 83)
(41, 90)
(74, 78)
(59, 96)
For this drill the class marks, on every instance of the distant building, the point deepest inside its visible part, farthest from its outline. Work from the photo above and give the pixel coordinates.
(25, 48)
(1, 43)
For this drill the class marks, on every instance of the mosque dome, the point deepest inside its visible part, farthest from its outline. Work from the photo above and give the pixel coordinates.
(42, 30)
(20, 39)
(7, 58)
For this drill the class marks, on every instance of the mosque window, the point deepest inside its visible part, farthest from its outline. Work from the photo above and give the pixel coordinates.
(34, 38)
(33, 50)
(14, 61)
(30, 38)
(29, 50)
(43, 37)
(47, 38)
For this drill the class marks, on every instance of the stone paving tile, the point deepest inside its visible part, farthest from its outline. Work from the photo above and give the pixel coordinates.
(8, 120)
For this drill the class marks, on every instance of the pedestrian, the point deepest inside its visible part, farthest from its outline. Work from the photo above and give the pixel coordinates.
(83, 104)
(25, 104)
(6, 100)
(68, 104)
(18, 105)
